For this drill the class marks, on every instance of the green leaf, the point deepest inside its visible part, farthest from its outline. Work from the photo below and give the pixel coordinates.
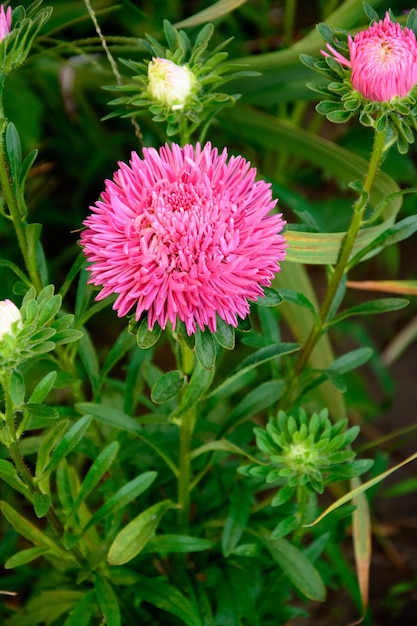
(83, 611)
(14, 151)
(289, 295)
(68, 442)
(225, 334)
(285, 527)
(199, 383)
(373, 307)
(167, 544)
(93, 477)
(17, 388)
(271, 297)
(46, 607)
(146, 338)
(10, 476)
(167, 386)
(205, 349)
(296, 566)
(124, 342)
(113, 417)
(29, 531)
(107, 601)
(213, 12)
(255, 401)
(123, 496)
(237, 517)
(254, 360)
(89, 359)
(41, 504)
(351, 360)
(363, 487)
(166, 597)
(134, 537)
(43, 387)
(24, 556)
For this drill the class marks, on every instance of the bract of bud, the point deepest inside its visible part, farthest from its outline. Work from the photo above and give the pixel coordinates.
(9, 313)
(170, 84)
(5, 21)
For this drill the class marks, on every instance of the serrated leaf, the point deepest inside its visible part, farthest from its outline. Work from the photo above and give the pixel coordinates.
(134, 537)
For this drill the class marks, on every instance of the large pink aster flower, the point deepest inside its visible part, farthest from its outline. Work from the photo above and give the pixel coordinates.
(383, 60)
(184, 233)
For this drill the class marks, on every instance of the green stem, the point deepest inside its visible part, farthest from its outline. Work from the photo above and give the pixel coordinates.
(339, 269)
(16, 217)
(184, 479)
(12, 443)
(290, 10)
(185, 360)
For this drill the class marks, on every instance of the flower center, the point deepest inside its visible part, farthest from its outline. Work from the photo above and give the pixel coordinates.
(185, 225)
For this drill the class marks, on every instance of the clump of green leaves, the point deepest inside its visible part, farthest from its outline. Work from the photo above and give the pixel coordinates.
(308, 452)
(40, 331)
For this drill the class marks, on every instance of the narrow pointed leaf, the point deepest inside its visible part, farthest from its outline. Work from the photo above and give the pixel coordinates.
(123, 496)
(107, 601)
(134, 537)
(296, 565)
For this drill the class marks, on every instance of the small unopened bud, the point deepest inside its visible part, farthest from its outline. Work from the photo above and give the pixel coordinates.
(9, 313)
(169, 83)
(5, 21)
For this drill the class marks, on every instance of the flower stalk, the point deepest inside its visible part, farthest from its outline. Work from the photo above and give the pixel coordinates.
(340, 268)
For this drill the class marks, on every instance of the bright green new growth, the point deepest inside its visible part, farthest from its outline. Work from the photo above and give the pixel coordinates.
(307, 452)
(41, 329)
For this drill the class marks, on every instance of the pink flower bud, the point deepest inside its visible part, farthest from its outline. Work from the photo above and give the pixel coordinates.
(383, 60)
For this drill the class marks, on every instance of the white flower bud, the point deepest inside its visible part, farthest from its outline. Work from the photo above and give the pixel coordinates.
(169, 83)
(9, 313)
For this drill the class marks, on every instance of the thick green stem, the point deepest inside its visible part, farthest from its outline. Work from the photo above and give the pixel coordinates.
(186, 425)
(184, 479)
(339, 269)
